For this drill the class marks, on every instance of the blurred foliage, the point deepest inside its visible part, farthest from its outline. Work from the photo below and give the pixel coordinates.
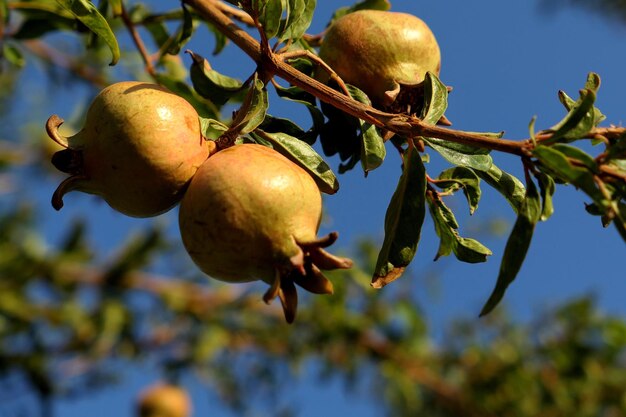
(65, 322)
(612, 9)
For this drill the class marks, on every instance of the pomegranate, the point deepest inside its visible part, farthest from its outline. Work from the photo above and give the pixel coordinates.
(252, 214)
(380, 51)
(164, 400)
(138, 149)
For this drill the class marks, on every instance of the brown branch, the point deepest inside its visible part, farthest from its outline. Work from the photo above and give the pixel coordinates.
(408, 126)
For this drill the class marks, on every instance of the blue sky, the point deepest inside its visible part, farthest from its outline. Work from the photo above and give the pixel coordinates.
(506, 62)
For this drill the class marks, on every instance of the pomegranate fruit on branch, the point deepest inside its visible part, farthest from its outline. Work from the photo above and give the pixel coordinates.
(380, 51)
(251, 214)
(138, 149)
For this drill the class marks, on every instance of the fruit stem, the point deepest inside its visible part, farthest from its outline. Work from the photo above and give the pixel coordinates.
(52, 129)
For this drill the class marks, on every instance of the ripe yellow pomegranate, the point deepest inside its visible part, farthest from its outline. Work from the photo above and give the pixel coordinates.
(252, 214)
(378, 51)
(138, 149)
(164, 400)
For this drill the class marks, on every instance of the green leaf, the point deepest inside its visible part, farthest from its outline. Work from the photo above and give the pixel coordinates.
(506, 184)
(547, 187)
(516, 246)
(12, 54)
(184, 33)
(253, 109)
(465, 249)
(403, 221)
(579, 120)
(435, 99)
(220, 39)
(463, 178)
(298, 95)
(576, 154)
(211, 128)
(558, 165)
(88, 14)
(210, 84)
(269, 13)
(305, 156)
(298, 20)
(373, 149)
(476, 161)
(593, 84)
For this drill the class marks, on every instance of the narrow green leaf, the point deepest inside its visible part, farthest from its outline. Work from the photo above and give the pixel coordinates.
(253, 109)
(581, 157)
(299, 19)
(463, 178)
(579, 120)
(269, 14)
(12, 54)
(506, 184)
(298, 95)
(465, 249)
(435, 99)
(211, 128)
(305, 156)
(547, 187)
(373, 149)
(403, 221)
(210, 84)
(88, 14)
(516, 246)
(477, 162)
(220, 39)
(559, 165)
(184, 33)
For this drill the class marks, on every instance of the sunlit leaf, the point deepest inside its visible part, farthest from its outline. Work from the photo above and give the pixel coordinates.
(463, 178)
(269, 13)
(298, 20)
(211, 84)
(506, 184)
(435, 99)
(305, 156)
(184, 33)
(88, 14)
(253, 109)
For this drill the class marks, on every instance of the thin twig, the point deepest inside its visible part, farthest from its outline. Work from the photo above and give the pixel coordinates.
(141, 47)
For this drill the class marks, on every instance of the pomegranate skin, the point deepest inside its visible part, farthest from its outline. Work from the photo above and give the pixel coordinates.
(252, 214)
(245, 213)
(377, 51)
(138, 149)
